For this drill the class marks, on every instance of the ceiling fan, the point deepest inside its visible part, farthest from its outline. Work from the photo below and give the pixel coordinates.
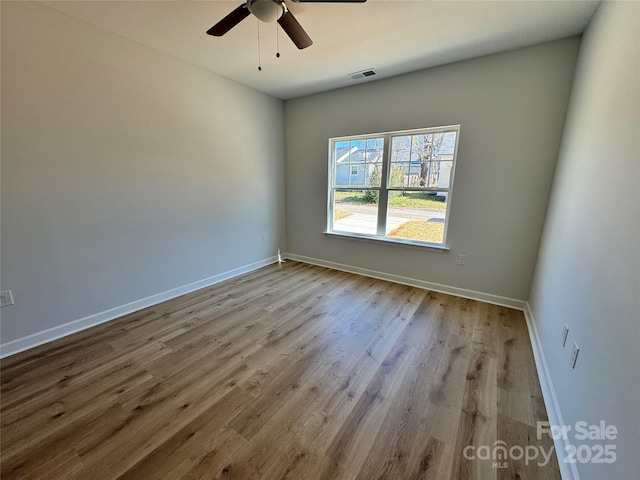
(268, 11)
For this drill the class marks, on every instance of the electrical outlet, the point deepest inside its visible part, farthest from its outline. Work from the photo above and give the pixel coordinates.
(574, 355)
(6, 298)
(264, 238)
(565, 334)
(462, 259)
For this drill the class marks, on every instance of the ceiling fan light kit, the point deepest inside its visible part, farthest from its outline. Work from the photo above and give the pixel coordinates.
(269, 11)
(266, 10)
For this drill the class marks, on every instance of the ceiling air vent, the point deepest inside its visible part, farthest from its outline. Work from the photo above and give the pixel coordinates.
(369, 72)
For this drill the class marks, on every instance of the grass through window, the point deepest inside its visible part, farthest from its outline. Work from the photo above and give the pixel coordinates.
(422, 231)
(397, 199)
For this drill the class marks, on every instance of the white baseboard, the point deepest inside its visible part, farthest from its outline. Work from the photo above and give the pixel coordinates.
(33, 340)
(568, 471)
(436, 287)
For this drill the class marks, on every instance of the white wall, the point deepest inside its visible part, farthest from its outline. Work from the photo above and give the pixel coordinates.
(588, 271)
(125, 172)
(511, 107)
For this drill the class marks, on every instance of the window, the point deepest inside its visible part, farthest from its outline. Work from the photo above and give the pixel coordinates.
(394, 186)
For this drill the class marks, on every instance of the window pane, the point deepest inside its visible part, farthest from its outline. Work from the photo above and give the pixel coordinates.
(373, 174)
(358, 163)
(400, 148)
(398, 174)
(424, 152)
(444, 175)
(356, 211)
(405, 161)
(414, 178)
(375, 143)
(446, 145)
(416, 216)
(342, 157)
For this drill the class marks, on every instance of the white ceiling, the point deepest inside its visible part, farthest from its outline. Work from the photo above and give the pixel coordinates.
(391, 36)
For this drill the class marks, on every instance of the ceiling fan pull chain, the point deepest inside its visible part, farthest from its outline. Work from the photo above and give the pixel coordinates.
(259, 61)
(277, 41)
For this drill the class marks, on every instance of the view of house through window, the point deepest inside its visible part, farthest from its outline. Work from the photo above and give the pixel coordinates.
(394, 186)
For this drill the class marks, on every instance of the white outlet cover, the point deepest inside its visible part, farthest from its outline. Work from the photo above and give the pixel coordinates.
(6, 298)
(565, 334)
(574, 354)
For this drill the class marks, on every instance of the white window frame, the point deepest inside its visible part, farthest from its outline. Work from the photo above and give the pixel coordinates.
(384, 188)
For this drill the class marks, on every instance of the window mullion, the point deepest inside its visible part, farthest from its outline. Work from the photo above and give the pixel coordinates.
(332, 184)
(383, 197)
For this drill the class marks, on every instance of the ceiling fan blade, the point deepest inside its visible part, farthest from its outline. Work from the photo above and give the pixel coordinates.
(295, 31)
(230, 21)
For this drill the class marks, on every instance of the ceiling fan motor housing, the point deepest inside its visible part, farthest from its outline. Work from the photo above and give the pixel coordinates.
(266, 10)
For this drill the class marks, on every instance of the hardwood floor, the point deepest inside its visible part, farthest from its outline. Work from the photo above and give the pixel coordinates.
(290, 372)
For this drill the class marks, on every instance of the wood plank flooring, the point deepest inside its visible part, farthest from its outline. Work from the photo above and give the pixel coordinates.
(290, 372)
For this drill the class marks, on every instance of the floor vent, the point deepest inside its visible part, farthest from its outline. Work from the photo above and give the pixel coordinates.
(370, 72)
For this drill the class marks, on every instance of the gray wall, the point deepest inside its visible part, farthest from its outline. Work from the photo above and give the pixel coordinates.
(511, 107)
(125, 172)
(588, 271)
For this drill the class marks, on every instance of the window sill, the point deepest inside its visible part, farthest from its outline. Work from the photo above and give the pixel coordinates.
(398, 242)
